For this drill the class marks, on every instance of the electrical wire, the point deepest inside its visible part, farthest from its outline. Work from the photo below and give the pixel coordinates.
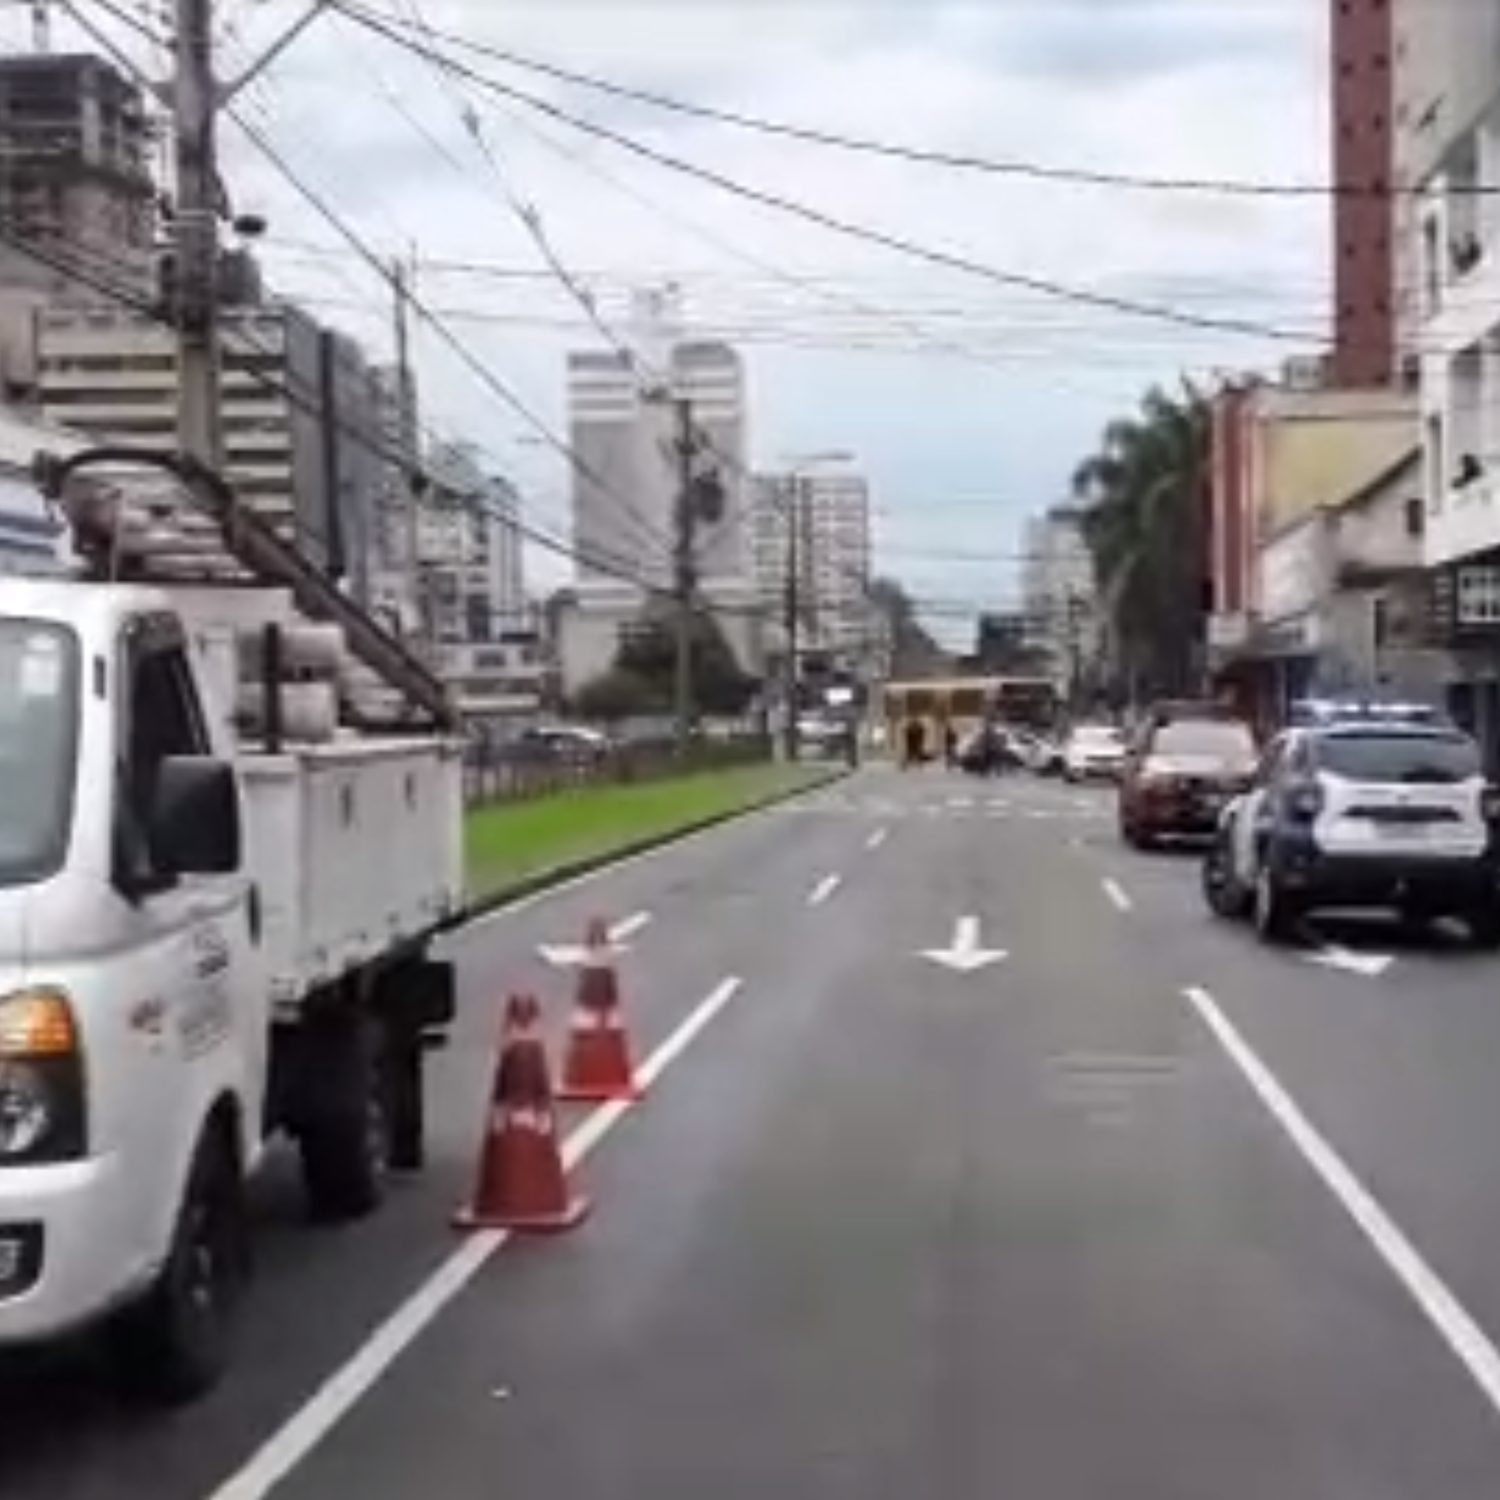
(846, 228)
(898, 151)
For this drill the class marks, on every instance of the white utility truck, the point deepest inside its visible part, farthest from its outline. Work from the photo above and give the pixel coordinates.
(220, 873)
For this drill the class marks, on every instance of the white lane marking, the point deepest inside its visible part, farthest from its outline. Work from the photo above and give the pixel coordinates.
(1446, 1313)
(291, 1443)
(963, 803)
(965, 955)
(573, 955)
(824, 889)
(1369, 965)
(1117, 894)
(627, 927)
(877, 838)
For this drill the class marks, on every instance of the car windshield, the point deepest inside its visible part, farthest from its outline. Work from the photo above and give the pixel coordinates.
(1223, 739)
(1416, 758)
(38, 745)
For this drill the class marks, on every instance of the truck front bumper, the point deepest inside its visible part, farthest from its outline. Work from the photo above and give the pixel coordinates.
(62, 1236)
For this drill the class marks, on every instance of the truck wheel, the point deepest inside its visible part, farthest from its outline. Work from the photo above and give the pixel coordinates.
(345, 1138)
(174, 1344)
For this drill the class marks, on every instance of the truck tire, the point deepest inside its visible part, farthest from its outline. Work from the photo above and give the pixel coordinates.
(173, 1345)
(345, 1135)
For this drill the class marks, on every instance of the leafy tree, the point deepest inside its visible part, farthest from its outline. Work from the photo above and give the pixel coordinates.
(1144, 494)
(914, 653)
(643, 676)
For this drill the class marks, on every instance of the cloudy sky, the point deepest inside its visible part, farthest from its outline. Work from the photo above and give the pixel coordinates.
(967, 401)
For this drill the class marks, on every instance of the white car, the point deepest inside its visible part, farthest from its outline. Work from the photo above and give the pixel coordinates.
(1361, 814)
(1093, 751)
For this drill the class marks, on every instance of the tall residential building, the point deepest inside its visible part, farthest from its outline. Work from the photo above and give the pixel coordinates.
(469, 550)
(1364, 268)
(1057, 590)
(113, 374)
(830, 510)
(75, 179)
(624, 427)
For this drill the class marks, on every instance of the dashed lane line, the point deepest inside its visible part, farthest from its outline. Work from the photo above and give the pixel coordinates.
(824, 889)
(877, 838)
(1119, 897)
(291, 1443)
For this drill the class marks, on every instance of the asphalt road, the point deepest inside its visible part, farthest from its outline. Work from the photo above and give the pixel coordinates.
(1104, 1200)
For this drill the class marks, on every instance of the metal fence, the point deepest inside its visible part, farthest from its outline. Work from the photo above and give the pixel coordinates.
(515, 772)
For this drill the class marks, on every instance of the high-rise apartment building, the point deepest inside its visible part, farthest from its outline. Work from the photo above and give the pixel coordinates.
(469, 549)
(1364, 230)
(1057, 590)
(625, 426)
(113, 374)
(75, 178)
(830, 512)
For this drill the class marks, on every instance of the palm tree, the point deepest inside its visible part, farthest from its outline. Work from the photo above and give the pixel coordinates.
(1143, 492)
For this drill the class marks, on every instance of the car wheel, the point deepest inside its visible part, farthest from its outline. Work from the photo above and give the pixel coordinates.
(1484, 923)
(1275, 913)
(173, 1345)
(1225, 896)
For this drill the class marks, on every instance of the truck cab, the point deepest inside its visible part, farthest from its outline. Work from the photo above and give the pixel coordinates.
(132, 1023)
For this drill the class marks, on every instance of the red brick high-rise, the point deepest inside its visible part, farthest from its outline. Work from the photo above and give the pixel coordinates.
(1363, 94)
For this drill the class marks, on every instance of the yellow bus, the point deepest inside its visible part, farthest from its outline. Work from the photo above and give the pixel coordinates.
(962, 704)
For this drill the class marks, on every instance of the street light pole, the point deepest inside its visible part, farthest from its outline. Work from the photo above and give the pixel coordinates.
(792, 606)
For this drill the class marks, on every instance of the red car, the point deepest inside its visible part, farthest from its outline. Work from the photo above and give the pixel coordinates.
(1180, 773)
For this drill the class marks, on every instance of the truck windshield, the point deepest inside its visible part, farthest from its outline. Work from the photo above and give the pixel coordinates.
(38, 745)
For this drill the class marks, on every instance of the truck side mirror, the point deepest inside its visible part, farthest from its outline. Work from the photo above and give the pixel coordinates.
(194, 825)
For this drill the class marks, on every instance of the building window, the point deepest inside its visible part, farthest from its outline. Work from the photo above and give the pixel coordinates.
(1435, 461)
(1479, 595)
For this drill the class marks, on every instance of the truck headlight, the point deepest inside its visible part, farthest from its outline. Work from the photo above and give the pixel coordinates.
(42, 1117)
(25, 1110)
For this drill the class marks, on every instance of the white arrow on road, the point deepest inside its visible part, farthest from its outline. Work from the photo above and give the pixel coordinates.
(965, 955)
(1370, 965)
(571, 955)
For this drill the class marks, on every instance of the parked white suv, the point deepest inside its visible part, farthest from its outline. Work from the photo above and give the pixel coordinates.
(1365, 812)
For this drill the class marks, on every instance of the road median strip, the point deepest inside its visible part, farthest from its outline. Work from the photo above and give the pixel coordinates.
(520, 849)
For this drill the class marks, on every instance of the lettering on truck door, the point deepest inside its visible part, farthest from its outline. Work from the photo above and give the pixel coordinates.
(183, 964)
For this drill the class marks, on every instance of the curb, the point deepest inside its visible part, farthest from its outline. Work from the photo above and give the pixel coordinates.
(541, 880)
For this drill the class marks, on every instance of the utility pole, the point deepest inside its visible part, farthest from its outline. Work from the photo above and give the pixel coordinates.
(195, 232)
(793, 611)
(684, 572)
(407, 440)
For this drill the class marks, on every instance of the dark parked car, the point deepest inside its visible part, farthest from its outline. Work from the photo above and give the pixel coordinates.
(1180, 774)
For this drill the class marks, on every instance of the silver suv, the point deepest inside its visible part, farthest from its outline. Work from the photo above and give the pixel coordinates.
(1363, 813)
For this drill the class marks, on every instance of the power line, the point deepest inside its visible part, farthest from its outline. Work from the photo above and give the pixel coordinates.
(849, 229)
(602, 561)
(1016, 167)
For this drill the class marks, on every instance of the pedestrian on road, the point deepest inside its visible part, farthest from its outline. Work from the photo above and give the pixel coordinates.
(915, 738)
(950, 746)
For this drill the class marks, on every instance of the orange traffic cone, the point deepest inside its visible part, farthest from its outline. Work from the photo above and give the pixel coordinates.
(597, 1065)
(521, 1182)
